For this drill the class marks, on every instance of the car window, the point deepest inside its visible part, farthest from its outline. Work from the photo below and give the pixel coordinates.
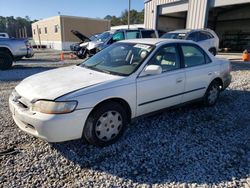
(174, 36)
(193, 56)
(203, 36)
(133, 34)
(193, 36)
(167, 58)
(119, 59)
(118, 36)
(148, 34)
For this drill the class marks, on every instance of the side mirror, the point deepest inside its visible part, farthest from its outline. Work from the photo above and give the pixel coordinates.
(151, 70)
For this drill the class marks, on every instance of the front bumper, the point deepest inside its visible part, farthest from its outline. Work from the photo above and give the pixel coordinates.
(52, 128)
(30, 53)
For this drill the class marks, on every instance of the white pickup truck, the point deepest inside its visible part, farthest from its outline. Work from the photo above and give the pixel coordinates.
(12, 50)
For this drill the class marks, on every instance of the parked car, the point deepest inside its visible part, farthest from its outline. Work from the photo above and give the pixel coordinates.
(12, 50)
(76, 47)
(4, 35)
(205, 37)
(90, 46)
(98, 98)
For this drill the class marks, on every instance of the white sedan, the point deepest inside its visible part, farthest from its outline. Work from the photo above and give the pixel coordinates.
(97, 99)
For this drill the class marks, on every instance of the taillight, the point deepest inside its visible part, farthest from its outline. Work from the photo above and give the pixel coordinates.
(28, 44)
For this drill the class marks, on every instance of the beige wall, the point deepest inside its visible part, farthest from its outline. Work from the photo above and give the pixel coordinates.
(64, 38)
(86, 26)
(50, 23)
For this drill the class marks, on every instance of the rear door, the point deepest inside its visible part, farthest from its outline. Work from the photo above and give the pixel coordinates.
(199, 71)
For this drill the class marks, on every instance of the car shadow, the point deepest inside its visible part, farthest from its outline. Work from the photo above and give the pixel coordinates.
(39, 60)
(21, 71)
(240, 65)
(192, 144)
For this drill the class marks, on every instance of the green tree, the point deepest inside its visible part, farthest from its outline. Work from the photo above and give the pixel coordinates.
(135, 18)
(12, 25)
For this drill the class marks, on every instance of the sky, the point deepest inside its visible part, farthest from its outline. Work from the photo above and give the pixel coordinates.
(38, 9)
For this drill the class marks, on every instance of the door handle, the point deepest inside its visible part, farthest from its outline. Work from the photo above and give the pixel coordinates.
(179, 81)
(210, 73)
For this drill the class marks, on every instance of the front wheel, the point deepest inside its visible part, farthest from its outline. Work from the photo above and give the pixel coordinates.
(212, 94)
(106, 124)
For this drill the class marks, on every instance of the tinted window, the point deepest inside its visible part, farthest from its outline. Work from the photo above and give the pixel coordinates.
(167, 58)
(118, 36)
(193, 56)
(203, 36)
(103, 37)
(193, 36)
(133, 34)
(148, 34)
(174, 36)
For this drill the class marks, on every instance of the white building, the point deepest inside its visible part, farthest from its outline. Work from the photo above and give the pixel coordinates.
(229, 18)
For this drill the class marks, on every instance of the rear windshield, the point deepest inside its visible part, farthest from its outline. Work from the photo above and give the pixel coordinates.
(148, 34)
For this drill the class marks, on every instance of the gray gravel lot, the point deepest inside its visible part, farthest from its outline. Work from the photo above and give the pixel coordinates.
(192, 146)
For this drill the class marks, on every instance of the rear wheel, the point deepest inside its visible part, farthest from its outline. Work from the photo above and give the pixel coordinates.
(5, 61)
(212, 94)
(106, 124)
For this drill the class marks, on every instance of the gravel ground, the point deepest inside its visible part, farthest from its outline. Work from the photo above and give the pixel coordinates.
(192, 146)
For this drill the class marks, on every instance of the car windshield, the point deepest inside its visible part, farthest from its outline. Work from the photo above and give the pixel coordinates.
(103, 37)
(119, 58)
(174, 36)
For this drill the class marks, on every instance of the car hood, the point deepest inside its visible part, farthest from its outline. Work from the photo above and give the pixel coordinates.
(81, 36)
(58, 82)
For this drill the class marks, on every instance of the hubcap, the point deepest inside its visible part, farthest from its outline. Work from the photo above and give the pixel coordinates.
(213, 94)
(108, 125)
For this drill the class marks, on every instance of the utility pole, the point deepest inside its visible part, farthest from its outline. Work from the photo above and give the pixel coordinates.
(39, 38)
(129, 7)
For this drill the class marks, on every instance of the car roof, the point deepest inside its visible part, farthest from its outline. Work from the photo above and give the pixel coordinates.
(180, 31)
(188, 30)
(154, 41)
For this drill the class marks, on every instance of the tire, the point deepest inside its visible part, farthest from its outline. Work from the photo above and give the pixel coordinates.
(213, 51)
(81, 54)
(212, 94)
(6, 61)
(100, 129)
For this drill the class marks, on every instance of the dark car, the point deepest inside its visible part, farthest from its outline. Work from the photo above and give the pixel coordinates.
(90, 46)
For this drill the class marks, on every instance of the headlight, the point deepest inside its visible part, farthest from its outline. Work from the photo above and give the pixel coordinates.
(53, 107)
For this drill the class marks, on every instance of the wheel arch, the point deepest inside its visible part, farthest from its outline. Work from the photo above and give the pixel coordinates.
(219, 80)
(118, 100)
(6, 50)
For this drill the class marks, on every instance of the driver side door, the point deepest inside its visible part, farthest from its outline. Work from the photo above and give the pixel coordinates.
(155, 92)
